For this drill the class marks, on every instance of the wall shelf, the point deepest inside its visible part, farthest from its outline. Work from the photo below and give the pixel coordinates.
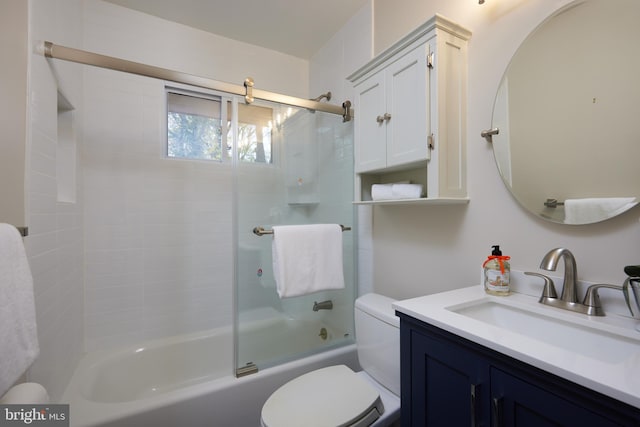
(421, 201)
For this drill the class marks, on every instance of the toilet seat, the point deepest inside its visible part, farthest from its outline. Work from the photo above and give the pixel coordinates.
(334, 396)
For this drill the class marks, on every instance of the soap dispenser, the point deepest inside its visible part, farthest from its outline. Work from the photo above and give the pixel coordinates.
(496, 273)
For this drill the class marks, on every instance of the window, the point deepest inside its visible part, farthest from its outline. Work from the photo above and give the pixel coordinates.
(195, 127)
(200, 126)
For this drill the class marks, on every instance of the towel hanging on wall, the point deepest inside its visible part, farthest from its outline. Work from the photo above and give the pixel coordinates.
(307, 258)
(18, 333)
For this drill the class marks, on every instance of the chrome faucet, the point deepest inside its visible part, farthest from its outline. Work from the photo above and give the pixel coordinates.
(550, 263)
(324, 305)
(569, 298)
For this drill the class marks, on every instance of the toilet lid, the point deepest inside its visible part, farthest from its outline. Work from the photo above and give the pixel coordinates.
(334, 396)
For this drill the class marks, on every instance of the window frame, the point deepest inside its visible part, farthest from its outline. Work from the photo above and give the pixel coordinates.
(229, 128)
(223, 98)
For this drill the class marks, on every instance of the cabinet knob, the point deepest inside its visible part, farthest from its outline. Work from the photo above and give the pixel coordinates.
(384, 118)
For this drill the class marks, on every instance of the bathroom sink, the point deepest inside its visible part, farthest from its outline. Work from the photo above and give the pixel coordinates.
(580, 335)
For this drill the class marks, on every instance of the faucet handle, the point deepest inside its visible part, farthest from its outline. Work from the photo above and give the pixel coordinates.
(625, 290)
(549, 290)
(592, 299)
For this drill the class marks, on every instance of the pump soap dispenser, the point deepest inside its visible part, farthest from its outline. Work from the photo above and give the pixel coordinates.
(496, 273)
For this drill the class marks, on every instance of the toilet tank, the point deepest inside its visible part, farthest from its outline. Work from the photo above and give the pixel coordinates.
(378, 340)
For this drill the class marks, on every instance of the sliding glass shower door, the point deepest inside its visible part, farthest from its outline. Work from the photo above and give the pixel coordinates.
(293, 166)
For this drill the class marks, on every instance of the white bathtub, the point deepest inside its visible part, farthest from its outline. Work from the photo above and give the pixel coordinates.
(181, 381)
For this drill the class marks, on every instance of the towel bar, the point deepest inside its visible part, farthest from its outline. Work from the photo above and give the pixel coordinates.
(260, 231)
(553, 203)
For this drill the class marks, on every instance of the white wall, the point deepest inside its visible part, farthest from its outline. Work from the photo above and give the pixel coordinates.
(420, 250)
(13, 85)
(54, 244)
(124, 33)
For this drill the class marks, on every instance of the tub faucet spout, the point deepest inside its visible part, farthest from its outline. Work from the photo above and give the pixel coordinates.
(324, 305)
(550, 263)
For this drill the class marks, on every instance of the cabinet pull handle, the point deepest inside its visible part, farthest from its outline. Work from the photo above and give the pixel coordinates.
(474, 404)
(496, 405)
(379, 119)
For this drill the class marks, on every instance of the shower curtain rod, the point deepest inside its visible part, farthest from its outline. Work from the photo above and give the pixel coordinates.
(51, 50)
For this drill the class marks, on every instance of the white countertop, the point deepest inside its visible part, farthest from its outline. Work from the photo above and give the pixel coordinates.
(618, 378)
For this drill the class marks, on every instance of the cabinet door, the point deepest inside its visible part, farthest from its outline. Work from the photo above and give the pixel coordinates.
(444, 386)
(518, 403)
(407, 102)
(370, 133)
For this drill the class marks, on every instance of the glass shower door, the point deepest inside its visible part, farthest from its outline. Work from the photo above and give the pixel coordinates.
(293, 167)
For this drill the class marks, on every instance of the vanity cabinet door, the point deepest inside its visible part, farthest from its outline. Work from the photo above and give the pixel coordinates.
(441, 385)
(518, 403)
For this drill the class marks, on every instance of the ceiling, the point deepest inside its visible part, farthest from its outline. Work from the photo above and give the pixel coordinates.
(295, 27)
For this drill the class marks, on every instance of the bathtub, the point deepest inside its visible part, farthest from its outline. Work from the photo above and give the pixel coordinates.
(185, 380)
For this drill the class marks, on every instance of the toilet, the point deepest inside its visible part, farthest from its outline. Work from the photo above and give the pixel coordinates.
(338, 396)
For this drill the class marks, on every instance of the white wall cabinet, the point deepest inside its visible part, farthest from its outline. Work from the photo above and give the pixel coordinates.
(391, 130)
(410, 114)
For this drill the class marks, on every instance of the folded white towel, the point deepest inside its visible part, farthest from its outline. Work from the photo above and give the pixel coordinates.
(585, 211)
(381, 191)
(407, 191)
(18, 335)
(307, 258)
(396, 191)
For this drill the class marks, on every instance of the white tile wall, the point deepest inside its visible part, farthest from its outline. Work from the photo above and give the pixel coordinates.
(158, 231)
(54, 245)
(158, 236)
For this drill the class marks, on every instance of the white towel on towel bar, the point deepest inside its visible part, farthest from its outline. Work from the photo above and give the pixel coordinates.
(307, 258)
(18, 334)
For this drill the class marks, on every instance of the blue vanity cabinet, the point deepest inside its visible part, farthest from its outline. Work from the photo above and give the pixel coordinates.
(450, 381)
(442, 387)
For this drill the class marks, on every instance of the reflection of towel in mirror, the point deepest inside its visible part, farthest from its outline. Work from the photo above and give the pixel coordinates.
(585, 211)
(307, 258)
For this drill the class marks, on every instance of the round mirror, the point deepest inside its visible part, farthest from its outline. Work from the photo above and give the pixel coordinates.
(568, 114)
